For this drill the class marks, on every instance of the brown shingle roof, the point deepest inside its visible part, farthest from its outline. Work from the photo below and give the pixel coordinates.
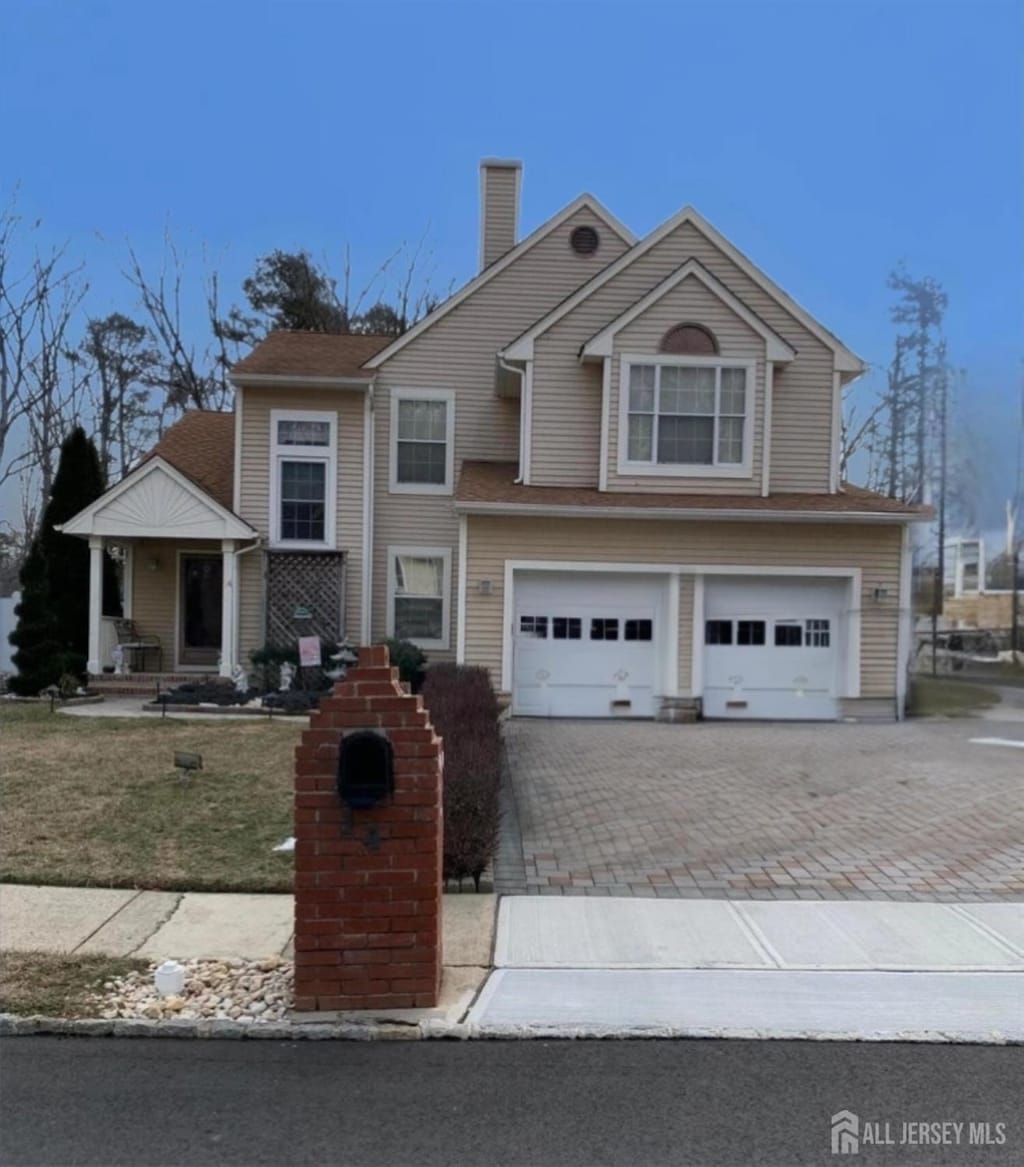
(201, 444)
(311, 354)
(494, 483)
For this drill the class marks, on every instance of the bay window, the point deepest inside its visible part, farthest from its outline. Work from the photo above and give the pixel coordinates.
(687, 415)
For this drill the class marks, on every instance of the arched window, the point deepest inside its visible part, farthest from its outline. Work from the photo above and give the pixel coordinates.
(693, 339)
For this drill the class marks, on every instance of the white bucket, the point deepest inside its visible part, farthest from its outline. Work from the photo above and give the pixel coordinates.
(169, 979)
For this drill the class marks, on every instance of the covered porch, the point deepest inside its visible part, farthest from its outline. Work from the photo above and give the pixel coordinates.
(179, 551)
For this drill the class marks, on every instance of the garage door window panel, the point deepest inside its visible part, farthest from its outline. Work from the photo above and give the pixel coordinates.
(604, 629)
(680, 418)
(750, 632)
(638, 630)
(534, 626)
(718, 632)
(788, 635)
(819, 634)
(566, 628)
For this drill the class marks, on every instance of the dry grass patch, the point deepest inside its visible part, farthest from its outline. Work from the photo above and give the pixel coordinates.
(58, 986)
(97, 801)
(940, 697)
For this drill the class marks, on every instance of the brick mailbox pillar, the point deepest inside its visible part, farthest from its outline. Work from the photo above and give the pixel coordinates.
(368, 881)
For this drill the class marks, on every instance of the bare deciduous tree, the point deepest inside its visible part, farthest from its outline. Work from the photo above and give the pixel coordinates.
(37, 305)
(186, 374)
(120, 363)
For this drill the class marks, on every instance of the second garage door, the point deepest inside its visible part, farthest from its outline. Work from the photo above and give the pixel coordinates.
(586, 645)
(774, 648)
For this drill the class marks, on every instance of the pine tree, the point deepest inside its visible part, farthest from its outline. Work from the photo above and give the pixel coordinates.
(52, 634)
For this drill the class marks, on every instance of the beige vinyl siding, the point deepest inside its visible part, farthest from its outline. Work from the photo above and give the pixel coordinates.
(458, 353)
(349, 405)
(155, 577)
(686, 587)
(563, 388)
(499, 196)
(873, 548)
(689, 302)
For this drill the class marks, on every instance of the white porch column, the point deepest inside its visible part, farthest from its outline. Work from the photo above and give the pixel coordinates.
(228, 632)
(94, 664)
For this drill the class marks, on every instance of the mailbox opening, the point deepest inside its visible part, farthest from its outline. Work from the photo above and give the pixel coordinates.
(365, 769)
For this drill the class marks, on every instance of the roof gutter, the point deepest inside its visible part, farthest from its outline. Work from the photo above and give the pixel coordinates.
(257, 379)
(694, 513)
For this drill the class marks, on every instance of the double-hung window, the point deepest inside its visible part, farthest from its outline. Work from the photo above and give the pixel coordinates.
(303, 460)
(422, 441)
(689, 415)
(419, 594)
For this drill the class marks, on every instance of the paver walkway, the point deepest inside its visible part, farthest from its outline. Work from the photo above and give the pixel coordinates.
(909, 811)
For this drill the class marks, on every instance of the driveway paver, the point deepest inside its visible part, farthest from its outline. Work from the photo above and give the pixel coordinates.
(900, 811)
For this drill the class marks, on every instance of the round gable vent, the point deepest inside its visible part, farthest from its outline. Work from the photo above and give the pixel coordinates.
(584, 240)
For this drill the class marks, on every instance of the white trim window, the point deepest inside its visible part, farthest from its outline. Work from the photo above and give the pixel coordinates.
(419, 595)
(303, 478)
(686, 416)
(422, 441)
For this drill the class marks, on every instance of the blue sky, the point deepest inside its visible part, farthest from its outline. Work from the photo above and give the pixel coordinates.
(827, 139)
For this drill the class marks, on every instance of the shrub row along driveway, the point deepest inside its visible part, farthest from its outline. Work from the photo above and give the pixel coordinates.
(896, 811)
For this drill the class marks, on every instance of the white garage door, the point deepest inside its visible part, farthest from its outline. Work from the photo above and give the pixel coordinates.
(774, 648)
(585, 645)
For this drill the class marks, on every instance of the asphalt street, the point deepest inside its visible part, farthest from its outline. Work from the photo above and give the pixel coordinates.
(162, 1102)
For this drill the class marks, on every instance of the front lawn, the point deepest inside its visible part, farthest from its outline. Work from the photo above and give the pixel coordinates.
(97, 801)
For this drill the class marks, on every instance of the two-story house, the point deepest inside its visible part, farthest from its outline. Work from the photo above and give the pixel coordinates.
(606, 469)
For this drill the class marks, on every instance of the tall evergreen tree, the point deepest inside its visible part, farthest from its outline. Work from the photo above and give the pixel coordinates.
(52, 634)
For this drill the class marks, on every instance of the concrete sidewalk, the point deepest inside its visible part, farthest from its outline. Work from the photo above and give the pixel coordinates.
(576, 967)
(184, 925)
(722, 968)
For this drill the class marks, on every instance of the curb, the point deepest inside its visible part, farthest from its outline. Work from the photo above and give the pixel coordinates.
(434, 1029)
(16, 1025)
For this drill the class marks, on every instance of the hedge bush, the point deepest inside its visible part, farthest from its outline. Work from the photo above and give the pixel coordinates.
(464, 711)
(410, 660)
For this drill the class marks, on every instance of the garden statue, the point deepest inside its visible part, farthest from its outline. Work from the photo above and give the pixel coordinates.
(117, 656)
(287, 676)
(241, 679)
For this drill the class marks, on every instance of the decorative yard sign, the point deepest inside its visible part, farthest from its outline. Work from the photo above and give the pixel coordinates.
(309, 652)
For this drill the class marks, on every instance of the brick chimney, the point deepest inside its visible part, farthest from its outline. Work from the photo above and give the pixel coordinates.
(500, 179)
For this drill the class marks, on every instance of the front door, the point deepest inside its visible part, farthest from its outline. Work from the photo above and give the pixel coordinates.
(199, 623)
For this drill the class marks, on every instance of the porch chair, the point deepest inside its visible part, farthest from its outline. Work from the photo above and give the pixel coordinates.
(136, 646)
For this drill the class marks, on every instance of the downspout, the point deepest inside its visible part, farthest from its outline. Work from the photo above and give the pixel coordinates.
(369, 436)
(521, 374)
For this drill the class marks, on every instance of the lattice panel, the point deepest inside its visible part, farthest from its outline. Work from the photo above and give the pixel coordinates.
(305, 597)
